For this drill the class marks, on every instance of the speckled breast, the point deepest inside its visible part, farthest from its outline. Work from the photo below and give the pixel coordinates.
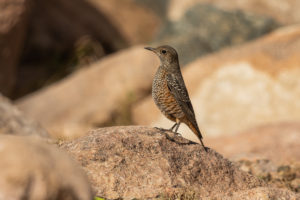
(163, 98)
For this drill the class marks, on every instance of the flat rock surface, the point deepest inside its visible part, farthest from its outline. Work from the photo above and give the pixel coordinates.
(141, 162)
(33, 170)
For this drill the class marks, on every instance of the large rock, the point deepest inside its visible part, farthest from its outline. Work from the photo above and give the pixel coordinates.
(240, 87)
(140, 162)
(284, 11)
(13, 122)
(159, 7)
(13, 21)
(204, 29)
(93, 96)
(277, 142)
(61, 36)
(31, 170)
(57, 25)
(141, 22)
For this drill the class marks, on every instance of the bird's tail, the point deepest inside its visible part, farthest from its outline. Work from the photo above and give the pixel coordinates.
(196, 130)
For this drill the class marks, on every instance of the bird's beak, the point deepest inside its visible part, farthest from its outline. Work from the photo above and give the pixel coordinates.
(150, 48)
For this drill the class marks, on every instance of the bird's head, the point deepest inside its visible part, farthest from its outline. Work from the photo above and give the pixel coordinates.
(166, 54)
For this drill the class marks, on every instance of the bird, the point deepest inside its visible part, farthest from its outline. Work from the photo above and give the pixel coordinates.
(170, 93)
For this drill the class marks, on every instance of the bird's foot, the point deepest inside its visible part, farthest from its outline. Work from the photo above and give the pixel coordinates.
(177, 134)
(161, 129)
(171, 129)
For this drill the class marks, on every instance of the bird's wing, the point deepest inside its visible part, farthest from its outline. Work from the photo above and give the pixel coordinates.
(178, 90)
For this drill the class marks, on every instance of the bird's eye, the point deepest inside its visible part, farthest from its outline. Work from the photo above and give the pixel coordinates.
(163, 51)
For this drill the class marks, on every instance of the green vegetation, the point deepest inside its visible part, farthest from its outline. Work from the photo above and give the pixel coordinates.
(98, 198)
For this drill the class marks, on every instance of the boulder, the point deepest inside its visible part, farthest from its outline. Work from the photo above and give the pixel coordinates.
(57, 25)
(205, 28)
(277, 142)
(63, 36)
(284, 11)
(141, 22)
(13, 22)
(93, 96)
(240, 87)
(31, 169)
(141, 162)
(13, 122)
(159, 7)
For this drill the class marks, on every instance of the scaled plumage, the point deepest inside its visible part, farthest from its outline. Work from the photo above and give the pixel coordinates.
(169, 91)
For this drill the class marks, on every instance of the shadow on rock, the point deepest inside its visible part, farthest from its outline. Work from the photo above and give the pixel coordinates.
(141, 162)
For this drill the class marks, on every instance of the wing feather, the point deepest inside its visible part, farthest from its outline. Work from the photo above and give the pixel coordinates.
(179, 91)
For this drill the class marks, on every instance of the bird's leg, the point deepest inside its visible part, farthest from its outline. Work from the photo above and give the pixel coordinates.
(171, 129)
(176, 129)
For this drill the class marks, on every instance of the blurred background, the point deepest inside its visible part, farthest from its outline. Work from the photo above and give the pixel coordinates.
(81, 65)
(77, 65)
(44, 41)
